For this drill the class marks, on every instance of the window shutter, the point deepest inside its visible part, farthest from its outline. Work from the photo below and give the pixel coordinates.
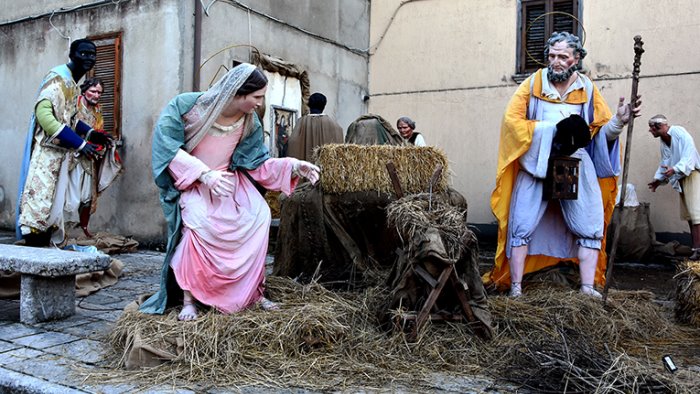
(564, 22)
(535, 36)
(108, 69)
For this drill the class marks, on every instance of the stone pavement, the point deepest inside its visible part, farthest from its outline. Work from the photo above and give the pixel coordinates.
(52, 357)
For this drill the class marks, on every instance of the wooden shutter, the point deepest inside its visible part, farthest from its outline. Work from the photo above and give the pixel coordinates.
(108, 69)
(536, 29)
(534, 34)
(562, 22)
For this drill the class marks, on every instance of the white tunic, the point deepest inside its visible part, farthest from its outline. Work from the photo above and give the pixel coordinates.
(682, 156)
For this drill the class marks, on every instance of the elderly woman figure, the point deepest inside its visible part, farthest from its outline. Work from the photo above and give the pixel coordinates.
(407, 129)
(208, 153)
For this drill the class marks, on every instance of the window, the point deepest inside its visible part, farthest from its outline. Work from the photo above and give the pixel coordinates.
(108, 69)
(538, 20)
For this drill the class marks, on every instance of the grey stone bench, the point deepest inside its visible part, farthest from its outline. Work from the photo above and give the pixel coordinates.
(47, 289)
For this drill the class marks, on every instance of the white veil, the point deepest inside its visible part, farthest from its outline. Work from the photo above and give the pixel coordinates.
(210, 104)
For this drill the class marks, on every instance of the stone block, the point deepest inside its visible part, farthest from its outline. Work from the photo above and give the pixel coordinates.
(50, 262)
(46, 298)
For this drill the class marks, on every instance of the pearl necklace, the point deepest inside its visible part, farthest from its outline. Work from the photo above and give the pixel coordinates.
(221, 130)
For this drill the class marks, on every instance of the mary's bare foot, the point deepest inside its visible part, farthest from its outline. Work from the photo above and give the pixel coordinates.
(269, 305)
(188, 313)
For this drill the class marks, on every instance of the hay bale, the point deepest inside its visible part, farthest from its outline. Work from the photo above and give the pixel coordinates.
(272, 198)
(688, 293)
(349, 168)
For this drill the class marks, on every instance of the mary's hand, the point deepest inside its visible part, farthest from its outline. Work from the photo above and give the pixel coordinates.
(307, 170)
(221, 183)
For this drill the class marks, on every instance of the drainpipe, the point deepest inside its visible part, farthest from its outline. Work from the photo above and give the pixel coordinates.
(197, 55)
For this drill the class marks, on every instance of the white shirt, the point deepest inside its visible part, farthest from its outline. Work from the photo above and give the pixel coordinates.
(420, 141)
(682, 156)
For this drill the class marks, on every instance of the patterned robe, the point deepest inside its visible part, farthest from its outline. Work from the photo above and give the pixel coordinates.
(45, 164)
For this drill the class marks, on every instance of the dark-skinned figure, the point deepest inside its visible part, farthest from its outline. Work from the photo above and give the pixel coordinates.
(56, 141)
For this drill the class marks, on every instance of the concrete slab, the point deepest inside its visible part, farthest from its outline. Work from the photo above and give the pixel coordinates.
(45, 340)
(47, 290)
(55, 369)
(44, 298)
(18, 330)
(103, 298)
(112, 316)
(99, 329)
(86, 351)
(18, 355)
(113, 388)
(15, 382)
(7, 346)
(57, 325)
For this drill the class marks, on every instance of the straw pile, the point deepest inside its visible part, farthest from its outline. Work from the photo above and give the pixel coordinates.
(414, 213)
(688, 293)
(548, 340)
(349, 168)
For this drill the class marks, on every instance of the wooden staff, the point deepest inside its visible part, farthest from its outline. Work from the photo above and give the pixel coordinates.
(638, 50)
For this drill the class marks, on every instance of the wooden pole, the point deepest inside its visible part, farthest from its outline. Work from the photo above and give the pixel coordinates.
(638, 50)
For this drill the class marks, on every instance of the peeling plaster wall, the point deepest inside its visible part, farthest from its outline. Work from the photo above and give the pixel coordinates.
(333, 69)
(130, 206)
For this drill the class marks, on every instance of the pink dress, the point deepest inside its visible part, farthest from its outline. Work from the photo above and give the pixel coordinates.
(221, 255)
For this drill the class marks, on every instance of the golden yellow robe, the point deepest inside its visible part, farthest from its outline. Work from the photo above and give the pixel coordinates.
(516, 137)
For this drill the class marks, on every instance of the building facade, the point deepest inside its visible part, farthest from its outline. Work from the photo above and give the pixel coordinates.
(452, 66)
(152, 50)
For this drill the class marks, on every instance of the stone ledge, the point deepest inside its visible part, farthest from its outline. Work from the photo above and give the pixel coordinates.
(50, 262)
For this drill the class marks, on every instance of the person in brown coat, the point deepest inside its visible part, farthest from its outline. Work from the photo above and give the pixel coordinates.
(313, 130)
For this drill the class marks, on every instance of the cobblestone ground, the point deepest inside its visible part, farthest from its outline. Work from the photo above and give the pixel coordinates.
(45, 357)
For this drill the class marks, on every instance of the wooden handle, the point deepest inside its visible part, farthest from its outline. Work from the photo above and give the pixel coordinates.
(638, 51)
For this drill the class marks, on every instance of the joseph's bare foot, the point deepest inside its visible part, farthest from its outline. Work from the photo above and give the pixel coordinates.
(591, 291)
(515, 290)
(188, 313)
(696, 255)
